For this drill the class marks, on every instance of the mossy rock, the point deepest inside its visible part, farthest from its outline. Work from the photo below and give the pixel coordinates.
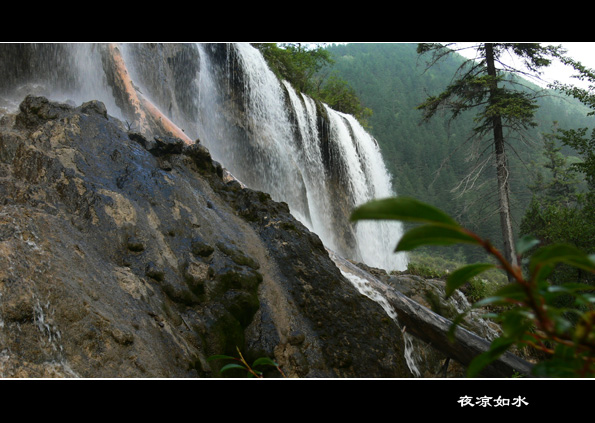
(195, 274)
(239, 278)
(237, 256)
(200, 248)
(242, 305)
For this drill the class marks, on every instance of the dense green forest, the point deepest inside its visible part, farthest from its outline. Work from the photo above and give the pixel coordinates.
(429, 160)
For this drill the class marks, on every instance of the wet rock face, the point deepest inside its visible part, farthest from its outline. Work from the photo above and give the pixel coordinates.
(176, 63)
(127, 257)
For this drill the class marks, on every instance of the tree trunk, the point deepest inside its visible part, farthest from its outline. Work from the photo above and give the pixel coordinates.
(138, 109)
(502, 172)
(433, 329)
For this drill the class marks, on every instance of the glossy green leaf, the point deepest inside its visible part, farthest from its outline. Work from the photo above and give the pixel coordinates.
(561, 323)
(433, 235)
(220, 357)
(585, 299)
(463, 274)
(570, 288)
(403, 209)
(497, 348)
(579, 290)
(513, 291)
(493, 300)
(544, 260)
(264, 361)
(232, 366)
(525, 244)
(515, 322)
(582, 292)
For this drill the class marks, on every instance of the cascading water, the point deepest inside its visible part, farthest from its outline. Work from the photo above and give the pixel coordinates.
(322, 163)
(64, 72)
(368, 179)
(361, 282)
(279, 150)
(252, 141)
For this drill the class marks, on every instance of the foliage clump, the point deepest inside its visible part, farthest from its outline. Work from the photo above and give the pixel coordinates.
(433, 266)
(563, 188)
(527, 306)
(303, 66)
(240, 363)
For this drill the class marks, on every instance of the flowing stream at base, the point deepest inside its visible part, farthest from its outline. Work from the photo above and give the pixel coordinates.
(360, 281)
(371, 287)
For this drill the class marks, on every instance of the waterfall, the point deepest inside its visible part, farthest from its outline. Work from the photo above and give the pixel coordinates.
(319, 161)
(310, 157)
(251, 139)
(70, 73)
(368, 180)
(272, 141)
(322, 163)
(322, 171)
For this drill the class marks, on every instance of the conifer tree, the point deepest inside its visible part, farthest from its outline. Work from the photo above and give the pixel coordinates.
(561, 212)
(490, 85)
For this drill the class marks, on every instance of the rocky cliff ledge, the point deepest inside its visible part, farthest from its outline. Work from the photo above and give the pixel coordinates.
(123, 256)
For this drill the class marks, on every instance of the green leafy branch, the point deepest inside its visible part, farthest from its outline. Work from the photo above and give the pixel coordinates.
(530, 316)
(241, 363)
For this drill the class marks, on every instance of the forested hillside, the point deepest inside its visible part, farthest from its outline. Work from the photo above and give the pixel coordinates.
(429, 160)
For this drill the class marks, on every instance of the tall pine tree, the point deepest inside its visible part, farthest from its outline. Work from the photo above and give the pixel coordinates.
(491, 87)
